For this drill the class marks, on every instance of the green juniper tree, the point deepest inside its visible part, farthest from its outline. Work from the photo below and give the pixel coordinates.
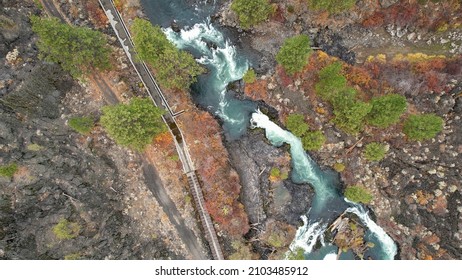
(331, 81)
(358, 194)
(297, 125)
(422, 127)
(251, 12)
(174, 68)
(249, 76)
(386, 110)
(294, 53)
(313, 140)
(77, 49)
(375, 151)
(349, 112)
(133, 125)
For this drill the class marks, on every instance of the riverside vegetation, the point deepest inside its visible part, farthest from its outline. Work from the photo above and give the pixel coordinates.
(387, 76)
(369, 112)
(77, 49)
(173, 68)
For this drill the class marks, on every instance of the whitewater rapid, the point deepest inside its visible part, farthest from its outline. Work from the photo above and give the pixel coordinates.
(389, 245)
(305, 170)
(219, 55)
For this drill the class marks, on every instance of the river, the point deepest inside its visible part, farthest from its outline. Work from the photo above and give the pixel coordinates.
(226, 63)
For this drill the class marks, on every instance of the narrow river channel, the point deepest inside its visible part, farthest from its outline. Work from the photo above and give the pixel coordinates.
(227, 63)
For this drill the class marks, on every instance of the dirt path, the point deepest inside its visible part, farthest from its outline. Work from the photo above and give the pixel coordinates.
(152, 178)
(108, 94)
(156, 187)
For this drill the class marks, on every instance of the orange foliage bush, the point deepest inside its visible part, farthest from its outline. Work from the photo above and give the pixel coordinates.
(402, 14)
(97, 15)
(438, 64)
(221, 184)
(256, 90)
(358, 76)
(375, 20)
(284, 79)
(434, 81)
(431, 16)
(164, 140)
(278, 15)
(426, 74)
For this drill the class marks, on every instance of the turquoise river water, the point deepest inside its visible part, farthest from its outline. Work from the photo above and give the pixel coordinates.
(226, 63)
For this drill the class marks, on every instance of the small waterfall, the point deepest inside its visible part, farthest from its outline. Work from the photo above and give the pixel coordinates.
(388, 246)
(225, 66)
(306, 171)
(308, 235)
(219, 55)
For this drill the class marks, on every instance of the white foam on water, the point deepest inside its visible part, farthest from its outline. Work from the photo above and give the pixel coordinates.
(302, 165)
(308, 235)
(388, 244)
(312, 231)
(331, 257)
(222, 57)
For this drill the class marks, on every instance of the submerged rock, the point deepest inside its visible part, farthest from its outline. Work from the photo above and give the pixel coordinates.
(175, 27)
(253, 158)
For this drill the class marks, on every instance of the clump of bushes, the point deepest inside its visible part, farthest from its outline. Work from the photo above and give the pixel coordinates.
(66, 230)
(251, 12)
(296, 124)
(133, 125)
(276, 239)
(294, 53)
(339, 167)
(249, 76)
(311, 140)
(358, 194)
(350, 113)
(297, 254)
(375, 151)
(422, 127)
(241, 251)
(276, 174)
(9, 170)
(82, 125)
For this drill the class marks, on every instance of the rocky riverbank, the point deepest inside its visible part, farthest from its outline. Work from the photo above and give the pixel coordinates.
(416, 188)
(99, 190)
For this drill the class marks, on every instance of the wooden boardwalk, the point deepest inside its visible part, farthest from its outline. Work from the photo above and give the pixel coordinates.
(159, 100)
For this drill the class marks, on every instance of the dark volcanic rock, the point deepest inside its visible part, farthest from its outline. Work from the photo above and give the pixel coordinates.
(58, 180)
(175, 27)
(60, 175)
(331, 42)
(38, 95)
(253, 157)
(14, 30)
